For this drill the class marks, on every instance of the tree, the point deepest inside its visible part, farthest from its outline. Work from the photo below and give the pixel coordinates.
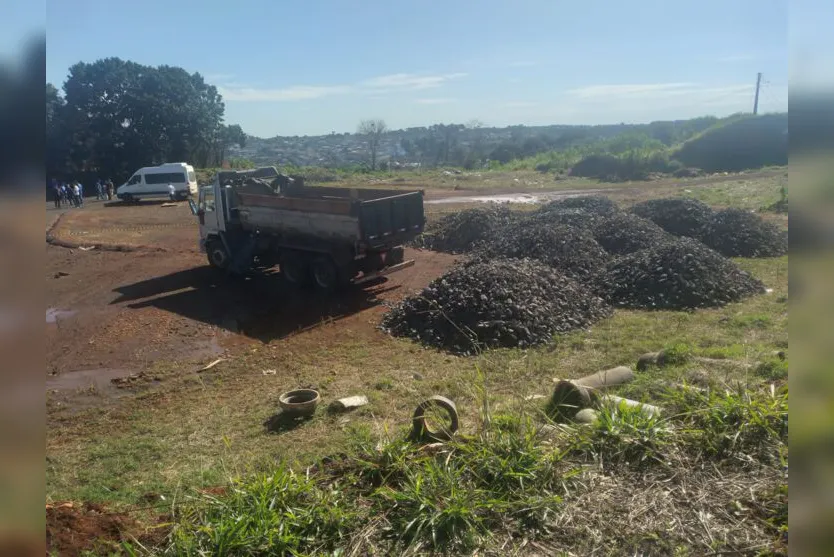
(372, 130)
(117, 116)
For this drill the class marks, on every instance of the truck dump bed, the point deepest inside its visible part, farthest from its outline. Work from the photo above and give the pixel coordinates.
(373, 217)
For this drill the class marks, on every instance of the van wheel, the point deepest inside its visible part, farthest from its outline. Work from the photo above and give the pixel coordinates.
(295, 269)
(217, 255)
(326, 274)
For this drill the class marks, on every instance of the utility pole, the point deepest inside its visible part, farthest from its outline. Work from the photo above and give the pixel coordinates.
(756, 101)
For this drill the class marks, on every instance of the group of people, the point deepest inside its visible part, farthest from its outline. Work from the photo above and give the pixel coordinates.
(71, 194)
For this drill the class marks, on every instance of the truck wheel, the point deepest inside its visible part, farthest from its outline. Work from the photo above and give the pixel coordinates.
(326, 274)
(295, 269)
(217, 255)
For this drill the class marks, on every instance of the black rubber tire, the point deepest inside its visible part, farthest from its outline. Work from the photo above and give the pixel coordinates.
(217, 255)
(325, 274)
(295, 269)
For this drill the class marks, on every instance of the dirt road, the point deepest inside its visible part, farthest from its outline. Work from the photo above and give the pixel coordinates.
(111, 315)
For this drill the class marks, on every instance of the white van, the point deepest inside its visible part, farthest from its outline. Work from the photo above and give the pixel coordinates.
(153, 181)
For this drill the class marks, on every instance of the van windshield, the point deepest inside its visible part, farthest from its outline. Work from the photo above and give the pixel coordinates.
(165, 178)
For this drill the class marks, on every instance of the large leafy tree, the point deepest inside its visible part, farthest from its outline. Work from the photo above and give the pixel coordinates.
(116, 116)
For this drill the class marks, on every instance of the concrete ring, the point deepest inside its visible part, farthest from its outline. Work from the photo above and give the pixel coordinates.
(421, 429)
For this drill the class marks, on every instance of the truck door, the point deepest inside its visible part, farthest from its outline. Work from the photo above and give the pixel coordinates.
(208, 212)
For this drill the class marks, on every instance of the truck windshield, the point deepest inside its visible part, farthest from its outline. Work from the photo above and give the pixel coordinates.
(207, 199)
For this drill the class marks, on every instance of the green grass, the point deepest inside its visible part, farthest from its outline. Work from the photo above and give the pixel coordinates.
(511, 472)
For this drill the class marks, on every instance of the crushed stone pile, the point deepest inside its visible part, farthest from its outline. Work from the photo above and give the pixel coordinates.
(597, 204)
(740, 233)
(574, 218)
(571, 250)
(681, 273)
(460, 232)
(499, 303)
(680, 216)
(622, 233)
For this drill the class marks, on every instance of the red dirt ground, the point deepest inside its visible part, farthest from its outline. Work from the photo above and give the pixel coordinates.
(119, 312)
(72, 530)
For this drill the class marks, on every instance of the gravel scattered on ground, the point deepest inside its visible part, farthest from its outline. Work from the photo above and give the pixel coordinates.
(681, 273)
(487, 304)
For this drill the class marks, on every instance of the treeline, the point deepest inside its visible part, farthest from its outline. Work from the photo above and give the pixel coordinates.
(116, 116)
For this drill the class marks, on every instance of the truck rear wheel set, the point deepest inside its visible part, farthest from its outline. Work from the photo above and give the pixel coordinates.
(301, 270)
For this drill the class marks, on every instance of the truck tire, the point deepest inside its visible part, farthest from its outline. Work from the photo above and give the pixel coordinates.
(217, 255)
(326, 274)
(295, 269)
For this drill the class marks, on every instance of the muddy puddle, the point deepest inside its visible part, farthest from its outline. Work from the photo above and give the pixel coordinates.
(54, 314)
(522, 198)
(99, 379)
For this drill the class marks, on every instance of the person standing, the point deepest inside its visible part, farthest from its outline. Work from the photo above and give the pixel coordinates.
(80, 194)
(76, 194)
(56, 191)
(99, 191)
(109, 189)
(172, 192)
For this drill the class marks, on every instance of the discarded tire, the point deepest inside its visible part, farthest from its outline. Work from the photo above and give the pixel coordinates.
(740, 233)
(571, 250)
(500, 303)
(678, 274)
(622, 233)
(421, 430)
(680, 216)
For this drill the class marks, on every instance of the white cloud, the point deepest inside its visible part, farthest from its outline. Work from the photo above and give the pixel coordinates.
(410, 81)
(594, 92)
(374, 87)
(294, 93)
(434, 101)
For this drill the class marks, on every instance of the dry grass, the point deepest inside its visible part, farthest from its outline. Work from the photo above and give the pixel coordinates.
(205, 429)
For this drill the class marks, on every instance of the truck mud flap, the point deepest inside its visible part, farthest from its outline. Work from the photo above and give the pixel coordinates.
(385, 271)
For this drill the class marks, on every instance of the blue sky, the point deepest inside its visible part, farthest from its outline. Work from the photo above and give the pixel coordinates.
(316, 66)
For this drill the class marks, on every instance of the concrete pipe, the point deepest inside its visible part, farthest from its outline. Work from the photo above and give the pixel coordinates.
(608, 378)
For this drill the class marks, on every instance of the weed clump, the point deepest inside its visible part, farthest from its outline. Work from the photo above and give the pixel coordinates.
(487, 304)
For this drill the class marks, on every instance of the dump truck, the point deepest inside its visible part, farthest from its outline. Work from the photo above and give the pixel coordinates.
(325, 236)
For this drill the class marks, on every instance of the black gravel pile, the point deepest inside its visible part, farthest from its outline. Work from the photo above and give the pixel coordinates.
(571, 250)
(574, 218)
(596, 204)
(623, 233)
(739, 233)
(460, 232)
(681, 273)
(500, 303)
(680, 216)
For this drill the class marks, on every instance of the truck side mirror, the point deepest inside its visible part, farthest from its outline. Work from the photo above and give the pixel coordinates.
(193, 207)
